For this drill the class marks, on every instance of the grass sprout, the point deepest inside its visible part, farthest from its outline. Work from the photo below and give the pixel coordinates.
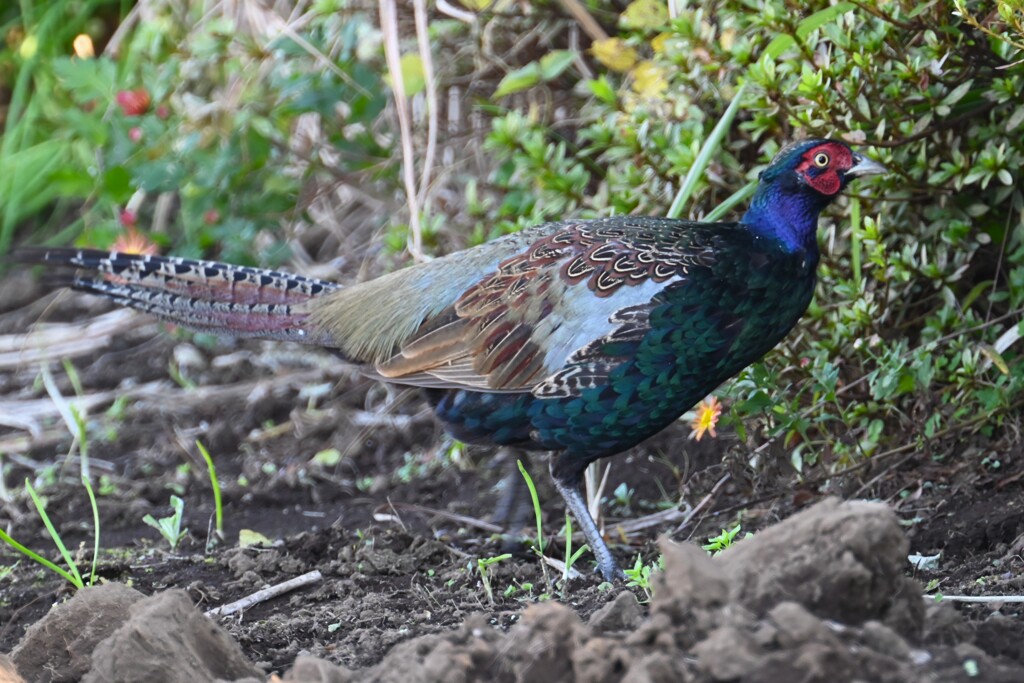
(170, 527)
(215, 484)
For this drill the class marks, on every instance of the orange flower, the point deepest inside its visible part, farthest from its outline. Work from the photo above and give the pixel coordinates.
(708, 412)
(131, 241)
(134, 102)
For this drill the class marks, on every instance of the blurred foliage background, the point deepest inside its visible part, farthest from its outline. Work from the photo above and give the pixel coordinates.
(348, 137)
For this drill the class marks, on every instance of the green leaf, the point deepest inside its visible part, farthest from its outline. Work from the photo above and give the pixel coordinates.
(518, 80)
(117, 183)
(72, 182)
(86, 79)
(995, 357)
(329, 457)
(976, 291)
(248, 537)
(555, 62)
(413, 77)
(957, 93)
(784, 41)
(739, 196)
(1015, 119)
(603, 90)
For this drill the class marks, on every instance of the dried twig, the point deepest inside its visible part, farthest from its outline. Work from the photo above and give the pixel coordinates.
(444, 514)
(629, 527)
(266, 594)
(704, 501)
(423, 41)
(53, 341)
(392, 54)
(979, 598)
(583, 17)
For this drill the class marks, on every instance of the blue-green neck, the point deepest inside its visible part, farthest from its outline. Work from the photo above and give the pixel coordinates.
(787, 213)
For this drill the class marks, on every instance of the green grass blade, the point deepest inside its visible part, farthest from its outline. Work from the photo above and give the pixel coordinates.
(13, 135)
(855, 243)
(536, 505)
(568, 546)
(57, 541)
(36, 557)
(707, 151)
(576, 555)
(212, 470)
(95, 527)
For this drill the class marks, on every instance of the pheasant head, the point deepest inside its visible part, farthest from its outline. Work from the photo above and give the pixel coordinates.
(798, 184)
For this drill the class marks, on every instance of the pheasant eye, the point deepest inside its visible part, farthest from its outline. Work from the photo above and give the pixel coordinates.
(821, 160)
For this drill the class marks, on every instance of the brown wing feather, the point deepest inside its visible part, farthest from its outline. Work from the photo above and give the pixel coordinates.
(492, 330)
(493, 336)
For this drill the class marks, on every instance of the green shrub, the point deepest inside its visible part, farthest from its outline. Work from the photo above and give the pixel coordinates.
(191, 108)
(912, 333)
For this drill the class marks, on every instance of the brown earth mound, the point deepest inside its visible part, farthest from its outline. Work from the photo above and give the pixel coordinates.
(819, 597)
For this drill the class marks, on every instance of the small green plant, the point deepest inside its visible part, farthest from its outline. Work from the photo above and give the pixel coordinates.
(455, 453)
(570, 556)
(483, 566)
(108, 487)
(175, 373)
(639, 575)
(215, 484)
(523, 592)
(717, 544)
(622, 496)
(71, 574)
(416, 467)
(538, 545)
(76, 423)
(170, 527)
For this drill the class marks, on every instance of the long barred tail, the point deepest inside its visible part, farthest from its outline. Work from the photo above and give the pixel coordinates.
(202, 295)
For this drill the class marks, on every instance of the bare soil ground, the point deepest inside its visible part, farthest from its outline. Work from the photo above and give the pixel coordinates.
(395, 521)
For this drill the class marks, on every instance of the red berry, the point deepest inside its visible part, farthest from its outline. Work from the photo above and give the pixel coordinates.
(134, 102)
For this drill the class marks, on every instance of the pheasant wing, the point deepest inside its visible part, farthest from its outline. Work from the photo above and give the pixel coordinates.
(551, 309)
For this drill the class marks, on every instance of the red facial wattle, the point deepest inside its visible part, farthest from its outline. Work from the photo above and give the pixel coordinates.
(825, 178)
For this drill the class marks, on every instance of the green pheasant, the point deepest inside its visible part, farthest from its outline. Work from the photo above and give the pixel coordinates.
(582, 338)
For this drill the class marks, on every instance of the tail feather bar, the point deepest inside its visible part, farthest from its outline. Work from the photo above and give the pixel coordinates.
(201, 295)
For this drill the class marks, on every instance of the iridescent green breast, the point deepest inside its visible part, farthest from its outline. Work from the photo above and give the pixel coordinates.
(697, 331)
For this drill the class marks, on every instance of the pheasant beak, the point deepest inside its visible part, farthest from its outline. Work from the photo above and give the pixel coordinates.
(864, 166)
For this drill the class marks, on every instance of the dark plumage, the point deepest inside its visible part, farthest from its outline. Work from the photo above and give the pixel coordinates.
(579, 337)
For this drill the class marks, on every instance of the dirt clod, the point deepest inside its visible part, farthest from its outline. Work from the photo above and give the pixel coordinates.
(167, 639)
(841, 561)
(59, 647)
(309, 669)
(621, 614)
